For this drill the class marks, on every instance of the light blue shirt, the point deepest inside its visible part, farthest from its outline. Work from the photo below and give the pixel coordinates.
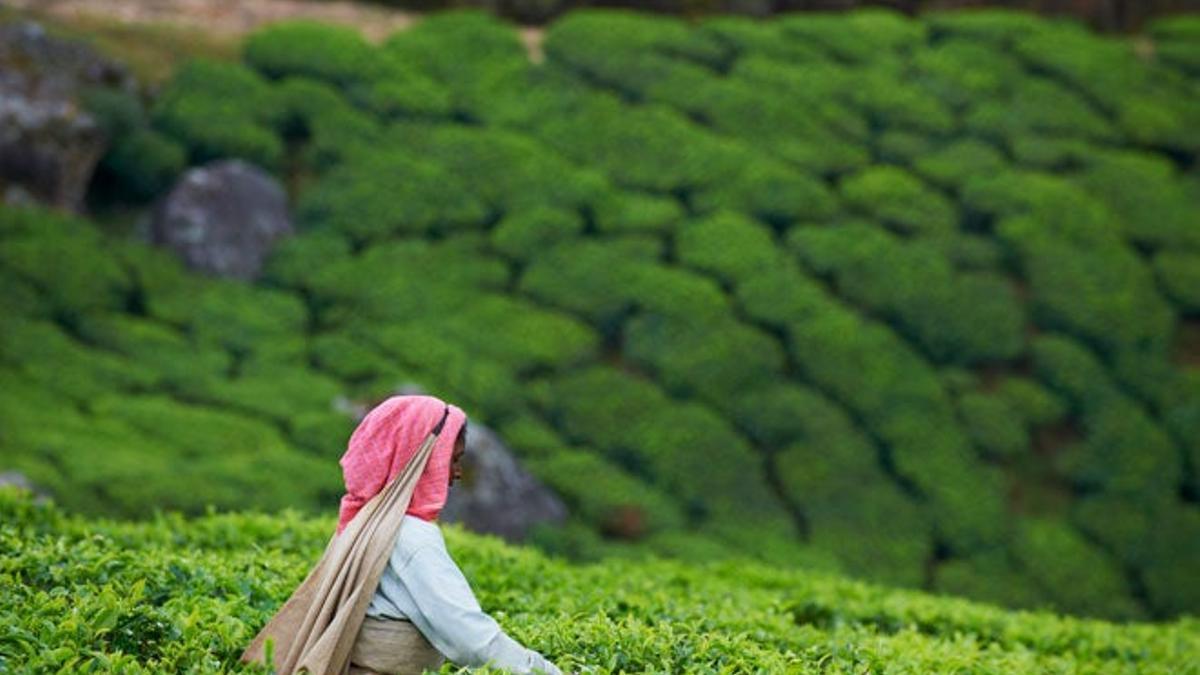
(423, 584)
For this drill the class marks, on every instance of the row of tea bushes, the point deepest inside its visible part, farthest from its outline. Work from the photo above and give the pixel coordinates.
(912, 293)
(132, 384)
(173, 594)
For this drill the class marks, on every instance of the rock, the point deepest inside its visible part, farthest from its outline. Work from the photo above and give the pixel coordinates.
(223, 218)
(49, 145)
(496, 495)
(18, 479)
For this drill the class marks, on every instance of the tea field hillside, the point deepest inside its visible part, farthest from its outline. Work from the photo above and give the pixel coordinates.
(916, 300)
(185, 595)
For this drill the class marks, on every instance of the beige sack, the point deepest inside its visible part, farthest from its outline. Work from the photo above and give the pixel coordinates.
(392, 647)
(316, 628)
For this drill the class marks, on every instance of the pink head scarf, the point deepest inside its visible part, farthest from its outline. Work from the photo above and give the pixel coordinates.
(384, 442)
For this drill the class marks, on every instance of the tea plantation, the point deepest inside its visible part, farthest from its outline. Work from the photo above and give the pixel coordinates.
(917, 300)
(186, 595)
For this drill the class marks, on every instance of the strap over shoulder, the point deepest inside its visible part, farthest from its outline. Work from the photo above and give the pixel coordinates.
(315, 629)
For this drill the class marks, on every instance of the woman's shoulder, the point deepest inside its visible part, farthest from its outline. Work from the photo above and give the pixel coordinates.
(416, 533)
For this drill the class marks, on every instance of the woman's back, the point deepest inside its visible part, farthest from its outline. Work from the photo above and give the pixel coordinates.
(423, 584)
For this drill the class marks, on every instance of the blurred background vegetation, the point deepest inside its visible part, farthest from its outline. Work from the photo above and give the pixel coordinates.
(917, 298)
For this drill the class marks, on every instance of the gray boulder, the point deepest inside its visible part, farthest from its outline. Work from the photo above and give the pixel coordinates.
(223, 218)
(49, 145)
(496, 494)
(19, 480)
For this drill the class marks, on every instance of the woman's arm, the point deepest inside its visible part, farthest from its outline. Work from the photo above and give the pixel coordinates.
(452, 620)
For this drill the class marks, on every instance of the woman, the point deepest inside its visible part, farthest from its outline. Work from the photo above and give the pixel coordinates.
(423, 610)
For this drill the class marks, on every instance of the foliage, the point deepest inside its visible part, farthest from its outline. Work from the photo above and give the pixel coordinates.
(911, 296)
(175, 594)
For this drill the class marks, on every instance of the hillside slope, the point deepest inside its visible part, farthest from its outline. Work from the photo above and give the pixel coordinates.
(918, 295)
(176, 595)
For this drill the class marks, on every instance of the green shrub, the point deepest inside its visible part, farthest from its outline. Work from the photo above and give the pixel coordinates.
(1176, 38)
(171, 353)
(138, 162)
(896, 198)
(624, 203)
(144, 163)
(706, 359)
(870, 373)
(1178, 274)
(958, 317)
(20, 298)
(862, 35)
(779, 296)
(293, 261)
(1174, 552)
(1145, 192)
(626, 50)
(831, 472)
(613, 502)
(308, 48)
(1124, 450)
(337, 136)
(598, 282)
(56, 254)
(902, 147)
(682, 448)
(1057, 557)
(769, 191)
(385, 194)
(45, 354)
(956, 163)
(649, 148)
(1036, 404)
(1155, 537)
(424, 354)
(402, 279)
(630, 211)
(321, 432)
(304, 100)
(178, 594)
(1037, 106)
(219, 110)
(231, 315)
(517, 333)
(962, 70)
(347, 358)
(994, 427)
(767, 414)
(1103, 293)
(991, 26)
(507, 171)
(339, 55)
(456, 44)
(1054, 205)
(967, 251)
(993, 577)
(1148, 105)
(274, 391)
(727, 245)
(522, 234)
(822, 87)
(745, 37)
(880, 93)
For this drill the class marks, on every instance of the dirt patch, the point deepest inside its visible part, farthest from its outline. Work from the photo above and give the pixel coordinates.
(233, 18)
(1187, 343)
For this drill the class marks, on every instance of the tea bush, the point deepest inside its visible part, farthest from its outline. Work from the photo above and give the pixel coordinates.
(176, 594)
(912, 296)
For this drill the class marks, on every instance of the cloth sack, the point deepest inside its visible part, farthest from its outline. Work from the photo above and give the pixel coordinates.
(315, 630)
(392, 647)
